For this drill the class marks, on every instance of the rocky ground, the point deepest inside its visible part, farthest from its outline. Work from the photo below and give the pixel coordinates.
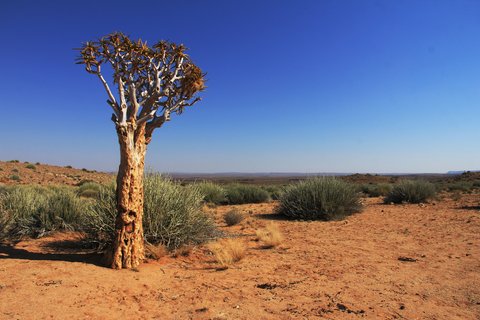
(12, 172)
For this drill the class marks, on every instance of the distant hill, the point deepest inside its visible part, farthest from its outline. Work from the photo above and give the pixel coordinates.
(15, 172)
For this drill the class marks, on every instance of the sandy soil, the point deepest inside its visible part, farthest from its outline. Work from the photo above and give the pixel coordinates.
(347, 269)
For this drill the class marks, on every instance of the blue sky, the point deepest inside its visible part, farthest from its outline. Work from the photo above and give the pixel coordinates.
(304, 86)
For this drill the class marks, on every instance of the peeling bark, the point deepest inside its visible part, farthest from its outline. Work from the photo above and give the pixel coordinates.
(128, 246)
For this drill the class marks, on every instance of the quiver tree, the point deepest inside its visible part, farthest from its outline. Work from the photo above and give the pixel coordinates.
(152, 83)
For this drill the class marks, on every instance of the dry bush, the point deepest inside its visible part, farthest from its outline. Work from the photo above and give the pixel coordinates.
(270, 236)
(228, 251)
(233, 217)
(183, 251)
(155, 252)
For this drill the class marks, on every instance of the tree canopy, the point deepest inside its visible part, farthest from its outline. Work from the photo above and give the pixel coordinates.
(152, 81)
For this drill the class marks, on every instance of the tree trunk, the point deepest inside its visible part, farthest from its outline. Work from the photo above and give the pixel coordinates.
(128, 246)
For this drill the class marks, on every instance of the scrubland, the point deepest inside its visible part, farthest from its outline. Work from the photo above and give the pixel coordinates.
(350, 248)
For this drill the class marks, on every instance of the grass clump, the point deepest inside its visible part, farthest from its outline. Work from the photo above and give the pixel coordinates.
(233, 217)
(89, 190)
(320, 198)
(31, 166)
(212, 193)
(376, 190)
(172, 215)
(411, 191)
(462, 186)
(228, 251)
(270, 236)
(274, 191)
(35, 211)
(15, 177)
(241, 194)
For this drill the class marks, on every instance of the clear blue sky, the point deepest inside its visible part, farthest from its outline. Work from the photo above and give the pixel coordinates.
(305, 86)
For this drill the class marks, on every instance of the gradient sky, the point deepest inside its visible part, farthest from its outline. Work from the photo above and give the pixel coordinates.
(304, 86)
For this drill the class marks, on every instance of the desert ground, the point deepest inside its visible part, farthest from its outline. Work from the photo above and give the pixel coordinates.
(409, 261)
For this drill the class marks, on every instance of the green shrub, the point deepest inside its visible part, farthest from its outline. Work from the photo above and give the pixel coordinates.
(35, 211)
(376, 190)
(68, 167)
(411, 191)
(233, 217)
(31, 166)
(212, 193)
(463, 186)
(15, 170)
(172, 214)
(274, 191)
(14, 161)
(15, 177)
(320, 198)
(242, 193)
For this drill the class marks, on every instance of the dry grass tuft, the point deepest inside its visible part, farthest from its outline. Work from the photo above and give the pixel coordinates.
(183, 251)
(270, 236)
(227, 252)
(233, 217)
(155, 252)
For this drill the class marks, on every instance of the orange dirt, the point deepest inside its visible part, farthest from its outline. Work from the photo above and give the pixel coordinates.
(45, 174)
(388, 262)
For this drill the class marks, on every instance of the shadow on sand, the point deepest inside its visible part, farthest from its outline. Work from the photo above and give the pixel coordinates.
(8, 251)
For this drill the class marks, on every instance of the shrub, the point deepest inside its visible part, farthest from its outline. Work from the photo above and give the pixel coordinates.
(35, 211)
(212, 193)
(37, 163)
(233, 217)
(172, 214)
(320, 198)
(411, 191)
(14, 161)
(274, 191)
(463, 186)
(31, 166)
(15, 170)
(376, 190)
(241, 193)
(270, 236)
(228, 251)
(15, 177)
(89, 190)
(70, 167)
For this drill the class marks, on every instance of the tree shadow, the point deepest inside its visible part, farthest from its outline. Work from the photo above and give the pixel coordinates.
(8, 251)
(273, 216)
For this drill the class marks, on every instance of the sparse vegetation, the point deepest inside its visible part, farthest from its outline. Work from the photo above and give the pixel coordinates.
(14, 161)
(31, 166)
(69, 167)
(270, 236)
(321, 198)
(241, 193)
(228, 251)
(212, 193)
(15, 177)
(233, 217)
(376, 190)
(411, 191)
